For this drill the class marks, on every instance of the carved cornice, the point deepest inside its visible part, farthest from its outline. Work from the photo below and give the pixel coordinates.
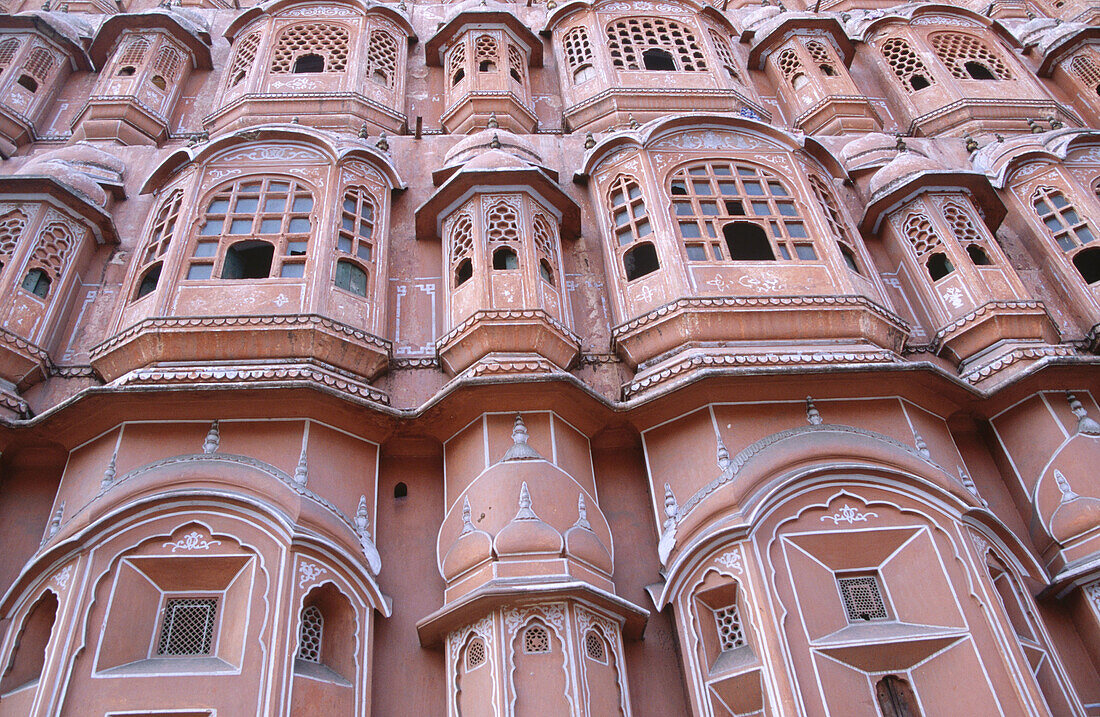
(984, 371)
(763, 302)
(128, 99)
(1040, 108)
(26, 348)
(74, 372)
(255, 373)
(773, 358)
(507, 315)
(486, 94)
(667, 92)
(594, 359)
(230, 322)
(492, 366)
(289, 98)
(1031, 307)
(425, 362)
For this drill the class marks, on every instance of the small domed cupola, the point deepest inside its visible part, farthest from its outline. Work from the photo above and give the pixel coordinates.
(582, 543)
(472, 548)
(527, 535)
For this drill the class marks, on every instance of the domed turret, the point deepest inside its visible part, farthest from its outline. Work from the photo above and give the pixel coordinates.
(527, 534)
(473, 547)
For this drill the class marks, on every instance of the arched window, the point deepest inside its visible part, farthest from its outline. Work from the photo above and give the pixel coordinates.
(261, 225)
(502, 234)
(12, 225)
(968, 58)
(476, 654)
(535, 640)
(578, 52)
(545, 239)
(837, 226)
(594, 647)
(157, 245)
(967, 234)
(456, 63)
(8, 48)
(48, 260)
(461, 242)
(166, 66)
(382, 58)
(927, 246)
(666, 41)
(791, 67)
(355, 237)
(244, 57)
(725, 54)
(312, 47)
(1069, 230)
(896, 698)
(310, 634)
(132, 56)
(515, 63)
(485, 53)
(630, 225)
(38, 68)
(906, 65)
(735, 211)
(1086, 69)
(28, 657)
(821, 56)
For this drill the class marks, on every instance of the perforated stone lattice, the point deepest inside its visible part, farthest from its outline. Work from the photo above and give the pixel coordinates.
(246, 55)
(381, 58)
(40, 63)
(905, 63)
(503, 224)
(919, 231)
(728, 622)
(53, 249)
(309, 637)
(578, 51)
(536, 640)
(323, 39)
(862, 599)
(188, 626)
(630, 37)
(475, 654)
(789, 64)
(594, 647)
(11, 228)
(134, 52)
(1083, 66)
(8, 48)
(725, 54)
(956, 49)
(168, 62)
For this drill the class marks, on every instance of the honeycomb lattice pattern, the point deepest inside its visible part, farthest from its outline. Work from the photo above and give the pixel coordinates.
(956, 50)
(961, 225)
(628, 38)
(246, 55)
(905, 64)
(515, 63)
(730, 634)
(134, 52)
(40, 63)
(789, 64)
(862, 598)
(461, 240)
(536, 640)
(594, 647)
(456, 63)
(163, 228)
(8, 48)
(323, 39)
(309, 636)
(475, 654)
(921, 234)
(168, 62)
(821, 57)
(485, 49)
(381, 58)
(188, 626)
(52, 251)
(11, 227)
(578, 50)
(725, 54)
(502, 223)
(1083, 66)
(544, 237)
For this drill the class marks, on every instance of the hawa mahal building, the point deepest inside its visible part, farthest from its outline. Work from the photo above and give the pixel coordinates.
(583, 358)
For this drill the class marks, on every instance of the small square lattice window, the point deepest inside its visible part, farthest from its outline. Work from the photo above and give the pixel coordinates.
(728, 622)
(188, 627)
(536, 639)
(862, 598)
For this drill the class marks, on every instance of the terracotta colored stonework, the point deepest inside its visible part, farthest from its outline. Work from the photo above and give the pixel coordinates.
(627, 357)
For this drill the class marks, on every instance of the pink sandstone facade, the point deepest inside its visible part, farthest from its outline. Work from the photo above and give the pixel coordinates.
(575, 358)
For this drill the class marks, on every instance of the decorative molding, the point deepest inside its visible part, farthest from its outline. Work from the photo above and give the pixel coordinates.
(61, 579)
(732, 561)
(308, 572)
(192, 541)
(1021, 305)
(507, 315)
(849, 515)
(983, 372)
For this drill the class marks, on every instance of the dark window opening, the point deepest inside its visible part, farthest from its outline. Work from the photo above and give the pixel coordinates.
(1087, 262)
(978, 255)
(939, 266)
(400, 491)
(308, 63)
(799, 81)
(248, 260)
(487, 66)
(735, 208)
(515, 75)
(505, 259)
(159, 82)
(546, 272)
(458, 77)
(127, 71)
(639, 261)
(827, 70)
(919, 82)
(350, 277)
(896, 698)
(747, 242)
(464, 271)
(148, 282)
(1097, 89)
(237, 78)
(379, 78)
(28, 82)
(657, 59)
(849, 258)
(978, 71)
(679, 189)
(37, 282)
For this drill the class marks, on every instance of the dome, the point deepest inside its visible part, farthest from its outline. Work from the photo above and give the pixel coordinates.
(81, 167)
(759, 16)
(1074, 518)
(582, 543)
(907, 164)
(473, 547)
(496, 140)
(527, 534)
(475, 6)
(867, 147)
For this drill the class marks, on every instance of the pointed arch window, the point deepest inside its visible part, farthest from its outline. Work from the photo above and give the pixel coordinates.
(382, 58)
(967, 234)
(631, 228)
(243, 59)
(515, 63)
(310, 634)
(254, 228)
(1070, 231)
(485, 53)
(907, 67)
(29, 654)
(1087, 70)
(132, 56)
(8, 48)
(725, 54)
(968, 58)
(502, 234)
(38, 68)
(837, 225)
(157, 245)
(311, 47)
(652, 43)
(578, 52)
(456, 63)
(461, 243)
(595, 648)
(928, 246)
(166, 66)
(731, 211)
(788, 63)
(822, 58)
(12, 225)
(476, 654)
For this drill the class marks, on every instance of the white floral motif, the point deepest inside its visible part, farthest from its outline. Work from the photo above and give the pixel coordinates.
(849, 515)
(953, 296)
(62, 577)
(709, 139)
(732, 561)
(280, 300)
(766, 281)
(308, 572)
(646, 294)
(1092, 590)
(718, 282)
(979, 543)
(192, 541)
